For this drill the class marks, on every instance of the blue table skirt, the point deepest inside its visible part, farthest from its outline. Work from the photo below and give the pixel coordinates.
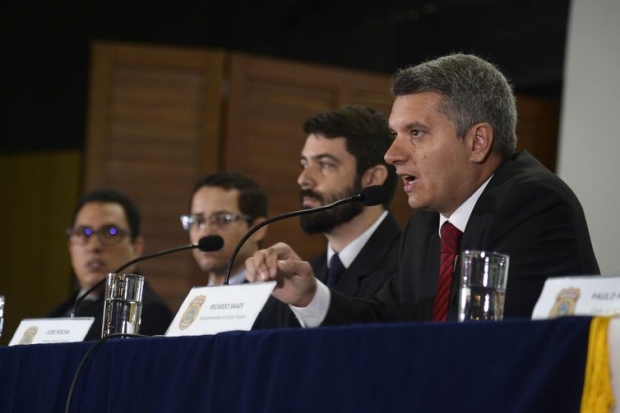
(511, 366)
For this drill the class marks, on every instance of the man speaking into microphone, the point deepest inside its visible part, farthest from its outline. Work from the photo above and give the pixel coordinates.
(105, 234)
(453, 125)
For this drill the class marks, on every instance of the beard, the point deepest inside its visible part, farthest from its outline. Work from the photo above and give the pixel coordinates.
(325, 221)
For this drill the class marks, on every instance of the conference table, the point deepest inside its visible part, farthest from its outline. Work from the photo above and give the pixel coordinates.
(509, 366)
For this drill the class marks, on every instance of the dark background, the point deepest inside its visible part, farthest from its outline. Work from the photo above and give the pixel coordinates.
(45, 56)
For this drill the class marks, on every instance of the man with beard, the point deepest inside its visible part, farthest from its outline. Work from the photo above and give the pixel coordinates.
(343, 154)
(228, 204)
(105, 234)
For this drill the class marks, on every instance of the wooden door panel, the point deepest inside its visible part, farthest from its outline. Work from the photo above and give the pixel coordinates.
(268, 102)
(154, 127)
(159, 117)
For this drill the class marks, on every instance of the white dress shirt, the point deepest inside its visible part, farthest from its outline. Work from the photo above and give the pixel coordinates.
(314, 314)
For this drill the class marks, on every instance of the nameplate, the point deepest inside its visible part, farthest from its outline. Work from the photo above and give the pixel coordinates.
(51, 330)
(215, 309)
(588, 296)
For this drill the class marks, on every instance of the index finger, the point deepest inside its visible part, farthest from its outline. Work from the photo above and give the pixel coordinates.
(262, 266)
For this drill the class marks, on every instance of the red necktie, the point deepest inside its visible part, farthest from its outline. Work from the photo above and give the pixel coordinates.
(450, 239)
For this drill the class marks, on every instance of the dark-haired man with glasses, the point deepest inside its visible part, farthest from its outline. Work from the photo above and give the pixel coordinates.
(105, 234)
(228, 204)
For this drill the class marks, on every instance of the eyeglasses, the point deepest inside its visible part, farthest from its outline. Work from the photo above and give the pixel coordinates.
(107, 235)
(218, 220)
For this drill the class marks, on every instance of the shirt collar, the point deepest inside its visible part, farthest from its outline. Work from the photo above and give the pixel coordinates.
(93, 296)
(460, 217)
(348, 253)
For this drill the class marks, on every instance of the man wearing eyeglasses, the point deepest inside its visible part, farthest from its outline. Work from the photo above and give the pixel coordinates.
(228, 204)
(105, 234)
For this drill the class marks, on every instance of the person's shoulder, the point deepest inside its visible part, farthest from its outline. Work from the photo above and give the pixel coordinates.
(63, 309)
(422, 220)
(523, 175)
(151, 299)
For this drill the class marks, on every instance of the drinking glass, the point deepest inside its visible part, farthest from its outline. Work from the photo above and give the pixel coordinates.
(484, 276)
(122, 310)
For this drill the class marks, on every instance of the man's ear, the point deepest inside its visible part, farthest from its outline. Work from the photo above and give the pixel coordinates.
(375, 175)
(259, 235)
(480, 141)
(138, 246)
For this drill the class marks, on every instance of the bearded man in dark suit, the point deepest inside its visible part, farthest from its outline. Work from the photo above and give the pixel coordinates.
(343, 153)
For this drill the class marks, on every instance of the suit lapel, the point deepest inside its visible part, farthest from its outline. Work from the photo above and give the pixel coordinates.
(319, 266)
(371, 255)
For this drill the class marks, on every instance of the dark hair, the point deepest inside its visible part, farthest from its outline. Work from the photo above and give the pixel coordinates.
(367, 138)
(474, 90)
(112, 196)
(252, 199)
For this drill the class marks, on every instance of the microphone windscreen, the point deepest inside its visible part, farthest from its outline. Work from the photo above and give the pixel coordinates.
(210, 243)
(374, 195)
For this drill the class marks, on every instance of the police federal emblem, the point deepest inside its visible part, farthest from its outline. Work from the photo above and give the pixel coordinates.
(192, 312)
(28, 336)
(565, 302)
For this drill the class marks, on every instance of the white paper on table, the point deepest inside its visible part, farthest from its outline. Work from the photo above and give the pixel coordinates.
(215, 309)
(51, 330)
(589, 296)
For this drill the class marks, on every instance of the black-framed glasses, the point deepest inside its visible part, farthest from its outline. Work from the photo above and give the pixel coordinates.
(107, 235)
(219, 220)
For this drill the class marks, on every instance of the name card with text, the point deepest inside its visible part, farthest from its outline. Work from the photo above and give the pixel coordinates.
(51, 330)
(588, 296)
(212, 310)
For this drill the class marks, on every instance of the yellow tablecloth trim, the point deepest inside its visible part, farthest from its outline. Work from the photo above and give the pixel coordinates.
(598, 394)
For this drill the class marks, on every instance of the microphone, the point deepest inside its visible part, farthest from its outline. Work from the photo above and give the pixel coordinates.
(369, 196)
(206, 244)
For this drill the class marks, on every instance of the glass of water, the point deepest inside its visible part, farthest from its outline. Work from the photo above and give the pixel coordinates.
(122, 310)
(484, 276)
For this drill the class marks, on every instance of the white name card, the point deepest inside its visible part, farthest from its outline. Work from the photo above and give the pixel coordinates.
(593, 296)
(51, 330)
(215, 309)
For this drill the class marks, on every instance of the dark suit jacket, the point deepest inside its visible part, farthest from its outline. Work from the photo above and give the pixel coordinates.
(525, 211)
(372, 267)
(156, 316)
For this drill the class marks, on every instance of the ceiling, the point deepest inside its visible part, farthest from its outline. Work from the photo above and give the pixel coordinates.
(44, 70)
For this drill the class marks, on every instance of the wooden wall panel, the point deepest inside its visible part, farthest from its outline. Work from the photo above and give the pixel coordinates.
(538, 128)
(38, 193)
(154, 127)
(158, 120)
(268, 102)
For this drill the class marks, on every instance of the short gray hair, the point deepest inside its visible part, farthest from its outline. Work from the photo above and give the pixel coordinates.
(474, 90)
